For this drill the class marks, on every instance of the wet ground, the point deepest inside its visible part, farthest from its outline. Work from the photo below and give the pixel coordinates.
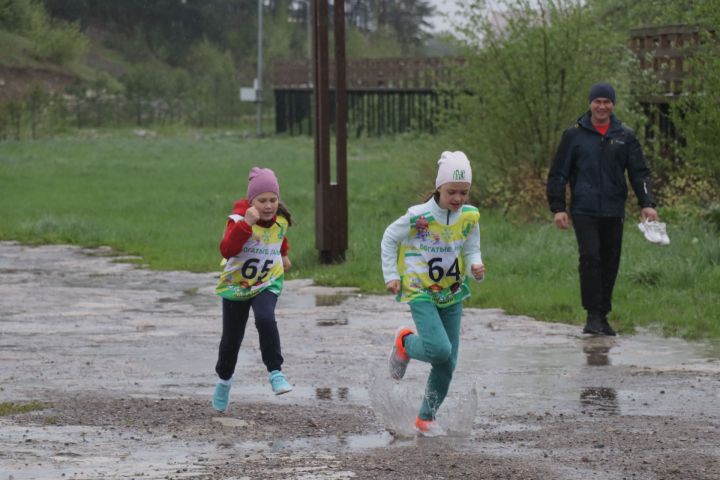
(123, 359)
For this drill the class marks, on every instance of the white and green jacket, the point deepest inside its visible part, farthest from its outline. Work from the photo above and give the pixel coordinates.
(430, 250)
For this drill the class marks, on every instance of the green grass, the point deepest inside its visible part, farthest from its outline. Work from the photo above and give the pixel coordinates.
(675, 289)
(12, 408)
(167, 198)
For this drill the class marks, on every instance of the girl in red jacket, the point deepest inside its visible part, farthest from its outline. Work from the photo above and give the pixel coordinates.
(255, 248)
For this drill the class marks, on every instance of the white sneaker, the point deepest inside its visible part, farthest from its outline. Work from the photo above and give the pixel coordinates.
(655, 232)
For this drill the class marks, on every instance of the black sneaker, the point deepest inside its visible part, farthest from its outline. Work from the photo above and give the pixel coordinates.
(606, 328)
(595, 324)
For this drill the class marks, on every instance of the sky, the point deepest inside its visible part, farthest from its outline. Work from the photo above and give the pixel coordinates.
(447, 7)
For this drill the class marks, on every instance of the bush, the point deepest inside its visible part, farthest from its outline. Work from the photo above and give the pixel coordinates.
(21, 16)
(527, 75)
(60, 42)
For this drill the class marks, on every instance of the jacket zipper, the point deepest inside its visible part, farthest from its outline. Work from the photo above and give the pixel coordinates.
(602, 173)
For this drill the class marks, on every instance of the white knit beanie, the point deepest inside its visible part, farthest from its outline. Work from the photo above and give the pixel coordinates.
(453, 167)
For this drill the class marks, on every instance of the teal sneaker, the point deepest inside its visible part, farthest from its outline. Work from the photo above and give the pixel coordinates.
(221, 398)
(279, 383)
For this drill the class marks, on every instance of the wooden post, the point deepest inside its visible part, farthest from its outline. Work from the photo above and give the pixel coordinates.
(331, 214)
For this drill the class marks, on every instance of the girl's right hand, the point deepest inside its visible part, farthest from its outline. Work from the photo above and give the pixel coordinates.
(393, 286)
(252, 216)
(478, 271)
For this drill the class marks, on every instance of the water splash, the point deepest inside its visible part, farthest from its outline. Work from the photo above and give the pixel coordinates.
(396, 404)
(458, 416)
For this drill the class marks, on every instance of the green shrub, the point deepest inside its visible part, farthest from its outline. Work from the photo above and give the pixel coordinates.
(60, 42)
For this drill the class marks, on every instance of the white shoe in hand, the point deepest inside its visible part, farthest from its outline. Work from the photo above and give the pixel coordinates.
(655, 232)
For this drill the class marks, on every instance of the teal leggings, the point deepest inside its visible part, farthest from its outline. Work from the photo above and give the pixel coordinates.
(437, 342)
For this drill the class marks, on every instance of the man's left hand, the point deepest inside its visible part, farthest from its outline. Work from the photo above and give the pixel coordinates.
(649, 213)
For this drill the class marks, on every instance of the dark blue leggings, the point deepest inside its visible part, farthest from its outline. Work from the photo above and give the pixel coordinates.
(235, 317)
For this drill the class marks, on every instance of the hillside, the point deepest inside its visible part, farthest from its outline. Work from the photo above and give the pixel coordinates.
(21, 69)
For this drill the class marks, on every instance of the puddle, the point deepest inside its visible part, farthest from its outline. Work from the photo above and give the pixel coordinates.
(232, 422)
(590, 375)
(308, 295)
(186, 296)
(330, 443)
(86, 452)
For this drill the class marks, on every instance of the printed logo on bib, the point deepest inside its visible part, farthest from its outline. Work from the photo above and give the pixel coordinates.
(422, 226)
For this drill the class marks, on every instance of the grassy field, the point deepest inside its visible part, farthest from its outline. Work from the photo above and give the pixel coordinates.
(166, 199)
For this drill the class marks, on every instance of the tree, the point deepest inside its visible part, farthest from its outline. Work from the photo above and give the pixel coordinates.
(697, 114)
(55, 40)
(688, 178)
(621, 15)
(214, 83)
(169, 28)
(528, 70)
(407, 19)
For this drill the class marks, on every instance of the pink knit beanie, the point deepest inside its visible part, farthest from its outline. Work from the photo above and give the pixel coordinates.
(261, 180)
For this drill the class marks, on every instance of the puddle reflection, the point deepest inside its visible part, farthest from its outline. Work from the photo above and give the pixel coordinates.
(332, 322)
(597, 355)
(301, 300)
(326, 393)
(599, 400)
(330, 300)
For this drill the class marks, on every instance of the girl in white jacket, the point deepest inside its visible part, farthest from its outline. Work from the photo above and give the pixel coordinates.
(427, 256)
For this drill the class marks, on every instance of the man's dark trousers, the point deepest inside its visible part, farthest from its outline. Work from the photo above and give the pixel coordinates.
(599, 243)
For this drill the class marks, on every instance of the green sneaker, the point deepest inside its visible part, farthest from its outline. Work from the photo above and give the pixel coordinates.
(279, 383)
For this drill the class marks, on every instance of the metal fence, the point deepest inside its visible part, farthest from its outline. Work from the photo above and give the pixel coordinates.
(385, 96)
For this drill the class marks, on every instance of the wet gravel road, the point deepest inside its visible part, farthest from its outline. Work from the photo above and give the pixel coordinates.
(122, 359)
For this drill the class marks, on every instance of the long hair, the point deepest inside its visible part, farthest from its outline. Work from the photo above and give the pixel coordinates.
(435, 195)
(283, 211)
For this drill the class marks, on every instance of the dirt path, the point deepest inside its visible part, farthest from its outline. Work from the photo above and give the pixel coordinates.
(123, 358)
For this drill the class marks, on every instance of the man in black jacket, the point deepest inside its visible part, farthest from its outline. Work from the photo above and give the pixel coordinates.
(592, 157)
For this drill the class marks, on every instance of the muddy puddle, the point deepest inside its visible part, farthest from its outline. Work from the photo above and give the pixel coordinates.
(123, 359)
